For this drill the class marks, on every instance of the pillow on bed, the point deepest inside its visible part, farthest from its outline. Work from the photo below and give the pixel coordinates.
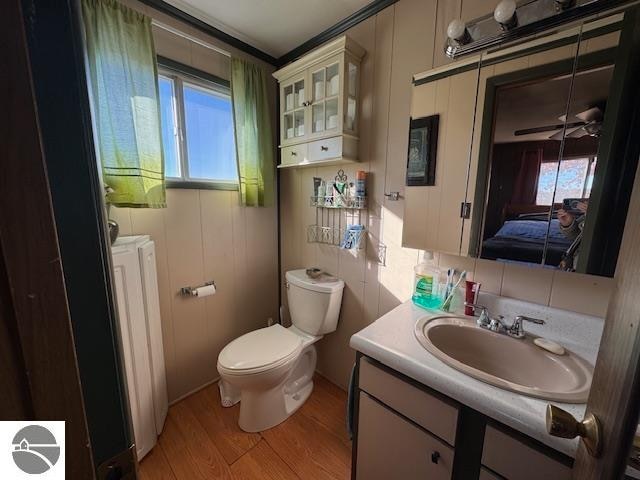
(531, 230)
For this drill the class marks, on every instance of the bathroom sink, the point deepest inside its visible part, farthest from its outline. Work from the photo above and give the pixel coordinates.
(513, 364)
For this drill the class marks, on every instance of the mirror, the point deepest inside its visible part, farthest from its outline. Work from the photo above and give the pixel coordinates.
(442, 109)
(542, 157)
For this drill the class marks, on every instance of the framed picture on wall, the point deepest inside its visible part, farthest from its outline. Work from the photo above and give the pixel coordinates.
(423, 148)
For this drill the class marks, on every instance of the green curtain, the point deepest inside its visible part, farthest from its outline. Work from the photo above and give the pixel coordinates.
(254, 140)
(124, 89)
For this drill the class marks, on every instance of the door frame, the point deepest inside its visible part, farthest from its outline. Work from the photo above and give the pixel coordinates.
(615, 388)
(55, 40)
(39, 373)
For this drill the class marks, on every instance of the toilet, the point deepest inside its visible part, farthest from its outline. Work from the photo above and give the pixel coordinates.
(270, 370)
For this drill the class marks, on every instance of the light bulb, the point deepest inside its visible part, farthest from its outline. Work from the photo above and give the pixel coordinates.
(564, 4)
(456, 29)
(505, 14)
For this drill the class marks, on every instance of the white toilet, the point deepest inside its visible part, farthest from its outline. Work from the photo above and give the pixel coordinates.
(270, 370)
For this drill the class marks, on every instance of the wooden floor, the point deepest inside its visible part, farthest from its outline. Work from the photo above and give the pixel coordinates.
(202, 440)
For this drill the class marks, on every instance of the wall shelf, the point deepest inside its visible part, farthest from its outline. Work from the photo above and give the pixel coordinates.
(336, 236)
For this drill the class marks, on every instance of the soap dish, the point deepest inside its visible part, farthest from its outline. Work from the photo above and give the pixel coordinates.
(314, 272)
(549, 346)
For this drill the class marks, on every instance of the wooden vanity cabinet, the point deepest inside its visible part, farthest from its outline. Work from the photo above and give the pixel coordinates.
(404, 430)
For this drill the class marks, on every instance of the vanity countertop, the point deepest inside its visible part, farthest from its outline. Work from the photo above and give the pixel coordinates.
(391, 341)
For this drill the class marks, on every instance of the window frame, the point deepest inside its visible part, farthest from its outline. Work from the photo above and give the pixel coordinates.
(590, 161)
(180, 74)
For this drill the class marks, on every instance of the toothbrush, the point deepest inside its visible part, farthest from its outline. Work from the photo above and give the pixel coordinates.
(447, 288)
(446, 305)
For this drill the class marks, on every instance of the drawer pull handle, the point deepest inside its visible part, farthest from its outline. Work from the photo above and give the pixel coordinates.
(323, 148)
(294, 154)
(435, 456)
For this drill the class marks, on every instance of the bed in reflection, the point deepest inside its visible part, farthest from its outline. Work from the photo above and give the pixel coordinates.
(521, 237)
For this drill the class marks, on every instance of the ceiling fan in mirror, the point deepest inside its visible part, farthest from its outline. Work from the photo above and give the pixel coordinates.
(588, 122)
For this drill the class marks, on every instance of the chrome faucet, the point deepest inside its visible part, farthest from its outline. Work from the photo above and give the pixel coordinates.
(516, 329)
(496, 324)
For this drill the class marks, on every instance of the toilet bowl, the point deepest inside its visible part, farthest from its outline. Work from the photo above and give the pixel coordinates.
(270, 370)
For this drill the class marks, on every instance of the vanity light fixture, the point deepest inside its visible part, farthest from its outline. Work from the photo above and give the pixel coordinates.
(505, 14)
(516, 19)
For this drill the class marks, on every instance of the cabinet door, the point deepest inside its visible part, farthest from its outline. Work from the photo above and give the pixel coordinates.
(293, 109)
(351, 93)
(131, 319)
(326, 90)
(514, 459)
(391, 447)
(147, 254)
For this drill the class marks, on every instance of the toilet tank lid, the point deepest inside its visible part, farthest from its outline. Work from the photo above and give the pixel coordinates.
(324, 284)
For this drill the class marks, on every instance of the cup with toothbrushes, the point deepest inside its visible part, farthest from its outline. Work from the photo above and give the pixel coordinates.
(454, 295)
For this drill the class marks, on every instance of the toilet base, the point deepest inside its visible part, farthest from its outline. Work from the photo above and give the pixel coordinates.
(263, 409)
(229, 395)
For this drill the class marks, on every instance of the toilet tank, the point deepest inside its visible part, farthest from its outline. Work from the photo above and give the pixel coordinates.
(314, 304)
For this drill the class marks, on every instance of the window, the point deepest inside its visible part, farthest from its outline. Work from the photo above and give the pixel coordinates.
(197, 131)
(574, 179)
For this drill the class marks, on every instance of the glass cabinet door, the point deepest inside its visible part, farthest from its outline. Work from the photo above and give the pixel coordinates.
(351, 96)
(293, 107)
(325, 84)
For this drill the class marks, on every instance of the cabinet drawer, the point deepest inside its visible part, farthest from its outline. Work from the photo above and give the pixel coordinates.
(391, 447)
(435, 414)
(325, 149)
(514, 460)
(294, 154)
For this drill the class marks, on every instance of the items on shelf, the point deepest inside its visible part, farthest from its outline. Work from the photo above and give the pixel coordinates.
(340, 193)
(352, 236)
(338, 212)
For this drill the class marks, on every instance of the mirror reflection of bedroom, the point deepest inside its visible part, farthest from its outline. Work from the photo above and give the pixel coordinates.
(543, 162)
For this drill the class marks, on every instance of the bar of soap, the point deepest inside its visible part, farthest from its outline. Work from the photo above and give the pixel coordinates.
(550, 346)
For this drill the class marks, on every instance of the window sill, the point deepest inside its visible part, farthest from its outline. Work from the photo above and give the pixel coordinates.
(200, 185)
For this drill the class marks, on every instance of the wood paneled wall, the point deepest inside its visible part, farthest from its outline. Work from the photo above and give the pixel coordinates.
(400, 41)
(206, 235)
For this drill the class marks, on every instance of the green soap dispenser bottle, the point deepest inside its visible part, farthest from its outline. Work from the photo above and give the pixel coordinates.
(426, 285)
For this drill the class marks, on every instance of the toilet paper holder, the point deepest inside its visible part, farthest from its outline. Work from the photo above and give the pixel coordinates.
(193, 291)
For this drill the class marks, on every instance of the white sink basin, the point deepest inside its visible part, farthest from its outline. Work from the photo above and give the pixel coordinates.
(506, 362)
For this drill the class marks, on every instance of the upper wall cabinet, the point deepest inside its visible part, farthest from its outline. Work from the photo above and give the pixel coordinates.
(527, 169)
(319, 105)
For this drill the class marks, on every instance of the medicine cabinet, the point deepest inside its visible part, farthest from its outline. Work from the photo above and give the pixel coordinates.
(525, 171)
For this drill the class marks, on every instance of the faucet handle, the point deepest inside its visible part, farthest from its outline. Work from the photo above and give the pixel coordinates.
(484, 319)
(475, 306)
(517, 330)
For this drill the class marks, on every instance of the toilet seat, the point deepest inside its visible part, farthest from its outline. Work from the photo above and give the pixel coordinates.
(260, 350)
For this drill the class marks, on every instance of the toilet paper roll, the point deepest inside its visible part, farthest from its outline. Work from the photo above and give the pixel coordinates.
(204, 291)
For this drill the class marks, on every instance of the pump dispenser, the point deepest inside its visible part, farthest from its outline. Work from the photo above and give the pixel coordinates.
(427, 285)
